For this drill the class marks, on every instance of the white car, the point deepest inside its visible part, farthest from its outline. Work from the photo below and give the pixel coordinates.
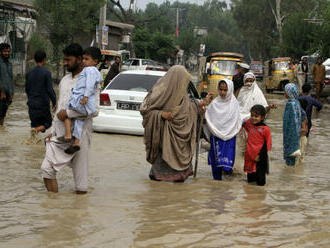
(141, 64)
(120, 102)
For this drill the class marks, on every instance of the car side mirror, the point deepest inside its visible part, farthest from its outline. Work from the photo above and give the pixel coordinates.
(208, 71)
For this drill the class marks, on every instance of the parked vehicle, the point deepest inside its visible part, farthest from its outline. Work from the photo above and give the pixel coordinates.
(277, 73)
(141, 64)
(120, 101)
(257, 68)
(218, 66)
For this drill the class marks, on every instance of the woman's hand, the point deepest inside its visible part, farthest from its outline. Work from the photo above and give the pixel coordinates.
(202, 108)
(271, 106)
(209, 98)
(167, 116)
(257, 159)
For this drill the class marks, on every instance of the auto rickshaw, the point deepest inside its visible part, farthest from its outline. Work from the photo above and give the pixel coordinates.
(219, 65)
(278, 72)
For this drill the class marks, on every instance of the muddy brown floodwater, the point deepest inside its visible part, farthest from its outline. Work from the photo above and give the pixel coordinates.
(125, 209)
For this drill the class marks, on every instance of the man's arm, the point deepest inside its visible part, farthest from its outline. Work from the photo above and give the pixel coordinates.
(317, 104)
(50, 89)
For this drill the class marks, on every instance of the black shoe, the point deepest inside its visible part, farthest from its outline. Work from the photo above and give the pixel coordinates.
(72, 149)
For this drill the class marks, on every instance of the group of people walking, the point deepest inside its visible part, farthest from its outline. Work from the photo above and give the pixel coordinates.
(170, 119)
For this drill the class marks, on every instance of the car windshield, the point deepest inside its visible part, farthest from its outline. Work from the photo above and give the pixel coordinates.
(133, 82)
(223, 67)
(281, 65)
(256, 67)
(148, 62)
(127, 62)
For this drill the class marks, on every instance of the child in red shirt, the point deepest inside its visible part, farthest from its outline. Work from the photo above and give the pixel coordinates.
(259, 141)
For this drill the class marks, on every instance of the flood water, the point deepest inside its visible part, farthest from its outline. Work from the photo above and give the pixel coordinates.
(125, 209)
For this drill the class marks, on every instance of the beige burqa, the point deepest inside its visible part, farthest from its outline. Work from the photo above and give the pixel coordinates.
(173, 140)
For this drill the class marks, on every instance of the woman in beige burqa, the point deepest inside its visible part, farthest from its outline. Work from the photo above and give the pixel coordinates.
(170, 121)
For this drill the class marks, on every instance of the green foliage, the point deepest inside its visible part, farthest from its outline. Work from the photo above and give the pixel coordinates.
(161, 46)
(156, 25)
(321, 35)
(142, 42)
(257, 23)
(64, 19)
(38, 42)
(297, 36)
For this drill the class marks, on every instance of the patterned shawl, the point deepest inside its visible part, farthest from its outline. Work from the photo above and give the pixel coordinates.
(291, 121)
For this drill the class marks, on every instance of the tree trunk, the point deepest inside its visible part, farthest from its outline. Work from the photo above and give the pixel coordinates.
(278, 17)
(279, 20)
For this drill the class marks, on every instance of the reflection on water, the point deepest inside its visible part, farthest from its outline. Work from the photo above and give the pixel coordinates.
(125, 209)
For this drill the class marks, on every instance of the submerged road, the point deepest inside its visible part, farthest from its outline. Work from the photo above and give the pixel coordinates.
(125, 209)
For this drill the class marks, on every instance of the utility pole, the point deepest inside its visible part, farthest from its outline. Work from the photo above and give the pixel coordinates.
(103, 18)
(177, 23)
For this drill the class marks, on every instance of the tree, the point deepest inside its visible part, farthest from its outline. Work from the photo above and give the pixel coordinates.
(65, 20)
(161, 47)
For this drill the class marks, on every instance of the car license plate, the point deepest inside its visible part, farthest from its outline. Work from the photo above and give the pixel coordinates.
(128, 106)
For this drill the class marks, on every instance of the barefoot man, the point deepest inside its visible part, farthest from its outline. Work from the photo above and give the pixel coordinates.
(55, 157)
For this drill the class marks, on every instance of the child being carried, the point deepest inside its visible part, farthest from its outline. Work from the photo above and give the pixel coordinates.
(83, 98)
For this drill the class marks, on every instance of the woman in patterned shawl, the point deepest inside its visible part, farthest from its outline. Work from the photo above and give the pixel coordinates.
(292, 120)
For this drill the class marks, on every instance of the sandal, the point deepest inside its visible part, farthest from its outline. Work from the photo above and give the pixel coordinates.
(72, 149)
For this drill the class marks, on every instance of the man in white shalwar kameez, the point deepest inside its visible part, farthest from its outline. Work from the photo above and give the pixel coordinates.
(55, 157)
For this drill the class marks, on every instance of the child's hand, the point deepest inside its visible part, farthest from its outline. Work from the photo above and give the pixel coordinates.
(47, 138)
(61, 115)
(84, 100)
(257, 159)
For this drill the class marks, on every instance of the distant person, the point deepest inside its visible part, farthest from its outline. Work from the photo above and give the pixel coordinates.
(83, 98)
(292, 120)
(318, 73)
(105, 64)
(114, 71)
(39, 91)
(238, 79)
(6, 81)
(301, 73)
(311, 102)
(259, 142)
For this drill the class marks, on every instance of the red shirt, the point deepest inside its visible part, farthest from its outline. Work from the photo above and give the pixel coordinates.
(257, 136)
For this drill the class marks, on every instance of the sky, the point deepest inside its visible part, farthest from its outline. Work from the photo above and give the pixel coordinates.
(141, 4)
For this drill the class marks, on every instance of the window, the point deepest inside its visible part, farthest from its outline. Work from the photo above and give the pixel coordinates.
(281, 66)
(127, 62)
(148, 62)
(223, 67)
(133, 82)
(135, 62)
